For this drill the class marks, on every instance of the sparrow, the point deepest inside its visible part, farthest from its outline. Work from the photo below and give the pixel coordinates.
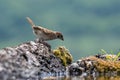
(44, 34)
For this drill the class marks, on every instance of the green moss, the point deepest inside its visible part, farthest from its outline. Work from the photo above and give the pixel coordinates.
(64, 55)
(105, 65)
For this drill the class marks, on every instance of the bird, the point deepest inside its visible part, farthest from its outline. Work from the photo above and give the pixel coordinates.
(44, 34)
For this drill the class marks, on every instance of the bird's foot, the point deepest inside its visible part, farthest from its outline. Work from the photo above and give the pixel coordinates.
(38, 40)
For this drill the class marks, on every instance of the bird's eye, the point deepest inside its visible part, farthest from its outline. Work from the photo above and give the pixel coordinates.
(58, 36)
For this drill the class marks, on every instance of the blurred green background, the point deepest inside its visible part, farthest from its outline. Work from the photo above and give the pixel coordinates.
(87, 25)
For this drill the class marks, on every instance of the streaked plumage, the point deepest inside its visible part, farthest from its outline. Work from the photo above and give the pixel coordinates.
(44, 34)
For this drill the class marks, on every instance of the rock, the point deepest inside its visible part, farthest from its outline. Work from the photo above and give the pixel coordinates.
(75, 70)
(107, 64)
(28, 61)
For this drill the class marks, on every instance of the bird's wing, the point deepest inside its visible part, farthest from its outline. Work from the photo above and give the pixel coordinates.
(44, 30)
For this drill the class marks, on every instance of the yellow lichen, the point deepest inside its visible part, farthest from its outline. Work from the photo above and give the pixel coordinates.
(64, 55)
(105, 65)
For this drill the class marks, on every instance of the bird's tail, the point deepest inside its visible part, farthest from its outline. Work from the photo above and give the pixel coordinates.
(30, 21)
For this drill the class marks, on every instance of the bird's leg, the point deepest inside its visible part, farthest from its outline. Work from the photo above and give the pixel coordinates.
(38, 40)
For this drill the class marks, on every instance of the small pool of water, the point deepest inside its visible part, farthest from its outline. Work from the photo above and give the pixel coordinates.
(82, 78)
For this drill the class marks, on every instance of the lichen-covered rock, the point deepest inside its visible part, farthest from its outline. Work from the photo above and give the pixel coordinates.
(64, 54)
(98, 64)
(28, 61)
(80, 67)
(104, 66)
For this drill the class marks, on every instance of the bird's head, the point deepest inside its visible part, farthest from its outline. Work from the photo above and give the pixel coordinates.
(59, 36)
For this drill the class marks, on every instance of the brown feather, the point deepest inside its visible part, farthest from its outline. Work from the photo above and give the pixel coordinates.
(44, 33)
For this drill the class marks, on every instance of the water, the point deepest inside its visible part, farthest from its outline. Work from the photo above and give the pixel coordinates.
(83, 78)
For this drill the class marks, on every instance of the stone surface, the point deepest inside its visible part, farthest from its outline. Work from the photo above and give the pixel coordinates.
(107, 64)
(28, 61)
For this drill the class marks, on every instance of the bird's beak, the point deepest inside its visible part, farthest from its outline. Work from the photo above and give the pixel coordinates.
(62, 39)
